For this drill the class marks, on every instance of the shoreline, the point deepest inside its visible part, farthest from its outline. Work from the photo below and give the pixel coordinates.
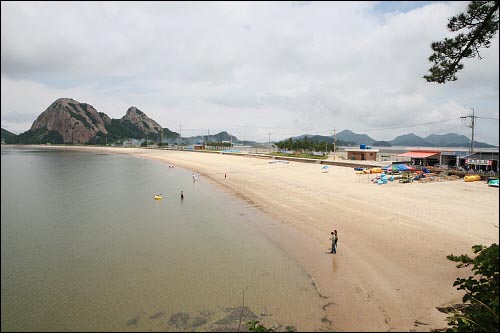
(390, 271)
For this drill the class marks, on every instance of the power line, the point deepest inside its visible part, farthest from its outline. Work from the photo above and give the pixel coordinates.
(286, 131)
(487, 118)
(407, 126)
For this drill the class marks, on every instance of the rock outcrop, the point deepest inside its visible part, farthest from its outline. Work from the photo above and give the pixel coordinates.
(141, 121)
(76, 122)
(69, 121)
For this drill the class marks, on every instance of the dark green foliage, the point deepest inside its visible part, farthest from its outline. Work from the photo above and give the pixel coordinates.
(86, 109)
(481, 21)
(120, 129)
(481, 291)
(305, 145)
(168, 134)
(40, 136)
(76, 115)
(218, 145)
(9, 137)
(255, 326)
(323, 139)
(124, 129)
(99, 139)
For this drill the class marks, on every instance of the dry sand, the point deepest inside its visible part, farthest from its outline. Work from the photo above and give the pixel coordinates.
(390, 271)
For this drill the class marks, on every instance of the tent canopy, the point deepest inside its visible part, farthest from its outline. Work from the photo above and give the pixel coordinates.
(398, 167)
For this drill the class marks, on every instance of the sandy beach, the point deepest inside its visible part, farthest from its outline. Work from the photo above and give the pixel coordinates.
(390, 271)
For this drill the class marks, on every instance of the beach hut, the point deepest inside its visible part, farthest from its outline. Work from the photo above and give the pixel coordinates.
(361, 154)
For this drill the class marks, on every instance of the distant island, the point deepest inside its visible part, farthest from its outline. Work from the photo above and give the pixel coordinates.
(67, 121)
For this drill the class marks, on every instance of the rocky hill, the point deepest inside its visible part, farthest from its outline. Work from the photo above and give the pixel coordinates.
(69, 121)
(144, 123)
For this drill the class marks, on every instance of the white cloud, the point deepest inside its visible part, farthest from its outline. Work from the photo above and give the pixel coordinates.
(249, 68)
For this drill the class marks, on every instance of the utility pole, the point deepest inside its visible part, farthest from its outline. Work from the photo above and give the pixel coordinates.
(471, 126)
(269, 143)
(334, 140)
(180, 134)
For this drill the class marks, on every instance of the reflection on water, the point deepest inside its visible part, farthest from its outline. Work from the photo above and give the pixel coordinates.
(85, 247)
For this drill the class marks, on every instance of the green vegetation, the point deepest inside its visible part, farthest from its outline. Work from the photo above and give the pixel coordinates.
(255, 326)
(86, 108)
(304, 145)
(168, 134)
(218, 145)
(480, 311)
(77, 115)
(39, 136)
(481, 22)
(119, 129)
(9, 137)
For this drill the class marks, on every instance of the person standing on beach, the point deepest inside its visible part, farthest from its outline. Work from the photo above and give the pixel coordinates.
(225, 175)
(334, 240)
(182, 195)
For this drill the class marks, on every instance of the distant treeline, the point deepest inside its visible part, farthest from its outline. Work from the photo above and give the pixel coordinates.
(305, 145)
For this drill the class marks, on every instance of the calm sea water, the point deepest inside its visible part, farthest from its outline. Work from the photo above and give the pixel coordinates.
(85, 247)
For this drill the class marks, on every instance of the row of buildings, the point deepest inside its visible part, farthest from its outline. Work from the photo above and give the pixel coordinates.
(486, 161)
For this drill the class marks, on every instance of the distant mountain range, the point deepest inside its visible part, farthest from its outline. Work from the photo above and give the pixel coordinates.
(413, 140)
(349, 138)
(69, 121)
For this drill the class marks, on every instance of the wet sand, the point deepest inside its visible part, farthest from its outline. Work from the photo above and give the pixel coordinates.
(390, 271)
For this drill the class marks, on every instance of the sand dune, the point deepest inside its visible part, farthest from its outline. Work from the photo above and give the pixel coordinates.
(390, 271)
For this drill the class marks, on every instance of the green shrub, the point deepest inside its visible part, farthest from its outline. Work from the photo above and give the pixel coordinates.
(480, 310)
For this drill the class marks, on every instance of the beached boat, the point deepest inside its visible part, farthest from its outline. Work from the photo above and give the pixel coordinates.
(493, 182)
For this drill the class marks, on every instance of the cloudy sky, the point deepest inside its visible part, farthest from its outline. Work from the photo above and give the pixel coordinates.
(284, 68)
